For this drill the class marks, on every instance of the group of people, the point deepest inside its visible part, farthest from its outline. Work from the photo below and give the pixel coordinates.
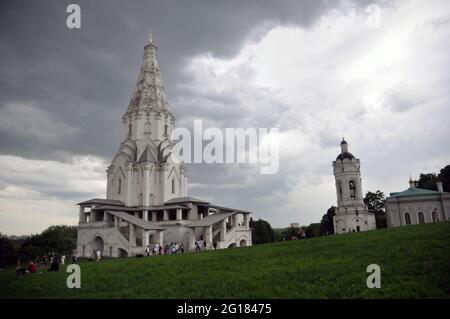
(42, 261)
(168, 249)
(30, 269)
(96, 255)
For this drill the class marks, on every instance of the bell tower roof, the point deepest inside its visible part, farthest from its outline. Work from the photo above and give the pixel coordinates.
(149, 92)
(344, 152)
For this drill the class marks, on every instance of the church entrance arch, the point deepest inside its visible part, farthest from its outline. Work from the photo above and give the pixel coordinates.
(98, 244)
(122, 253)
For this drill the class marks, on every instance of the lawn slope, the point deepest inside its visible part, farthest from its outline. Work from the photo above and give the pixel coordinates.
(414, 261)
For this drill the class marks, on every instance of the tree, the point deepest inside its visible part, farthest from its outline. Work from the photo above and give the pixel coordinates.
(313, 230)
(327, 225)
(375, 204)
(283, 234)
(7, 252)
(58, 239)
(444, 176)
(428, 181)
(262, 232)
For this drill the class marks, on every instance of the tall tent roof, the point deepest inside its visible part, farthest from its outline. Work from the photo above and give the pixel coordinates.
(149, 90)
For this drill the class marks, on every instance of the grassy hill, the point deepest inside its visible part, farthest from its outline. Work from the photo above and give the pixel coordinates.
(414, 261)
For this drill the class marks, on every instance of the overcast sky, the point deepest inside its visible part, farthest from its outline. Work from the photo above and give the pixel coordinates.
(318, 70)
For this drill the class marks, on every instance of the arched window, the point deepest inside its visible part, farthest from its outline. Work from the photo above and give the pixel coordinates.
(421, 218)
(435, 216)
(407, 219)
(339, 187)
(166, 129)
(173, 186)
(358, 229)
(352, 187)
(119, 188)
(130, 128)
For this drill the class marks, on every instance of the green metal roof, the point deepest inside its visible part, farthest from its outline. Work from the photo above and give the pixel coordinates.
(415, 192)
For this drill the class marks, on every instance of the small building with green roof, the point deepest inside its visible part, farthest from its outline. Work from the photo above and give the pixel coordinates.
(417, 206)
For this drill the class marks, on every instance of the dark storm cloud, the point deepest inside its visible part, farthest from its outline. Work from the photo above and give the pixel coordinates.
(63, 92)
(84, 78)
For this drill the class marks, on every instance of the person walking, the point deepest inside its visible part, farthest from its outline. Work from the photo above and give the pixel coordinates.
(197, 246)
(74, 256)
(147, 250)
(98, 254)
(63, 259)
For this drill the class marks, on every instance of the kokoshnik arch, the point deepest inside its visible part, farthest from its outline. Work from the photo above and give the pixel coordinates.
(146, 199)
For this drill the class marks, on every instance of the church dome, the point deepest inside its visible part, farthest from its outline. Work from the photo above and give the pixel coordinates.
(344, 156)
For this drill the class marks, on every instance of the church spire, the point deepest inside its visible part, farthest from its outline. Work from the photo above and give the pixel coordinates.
(149, 38)
(149, 92)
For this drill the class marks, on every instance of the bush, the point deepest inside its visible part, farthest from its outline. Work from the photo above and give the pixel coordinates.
(7, 252)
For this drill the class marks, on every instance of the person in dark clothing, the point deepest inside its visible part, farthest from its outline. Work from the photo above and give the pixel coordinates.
(54, 266)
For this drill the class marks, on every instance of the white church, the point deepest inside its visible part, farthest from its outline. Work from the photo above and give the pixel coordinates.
(351, 214)
(146, 199)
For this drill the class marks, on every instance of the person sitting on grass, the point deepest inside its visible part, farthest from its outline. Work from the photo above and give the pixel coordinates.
(31, 268)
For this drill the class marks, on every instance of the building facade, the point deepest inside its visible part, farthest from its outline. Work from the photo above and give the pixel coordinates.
(351, 214)
(146, 199)
(417, 206)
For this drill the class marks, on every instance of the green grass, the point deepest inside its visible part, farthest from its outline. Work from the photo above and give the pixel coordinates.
(414, 261)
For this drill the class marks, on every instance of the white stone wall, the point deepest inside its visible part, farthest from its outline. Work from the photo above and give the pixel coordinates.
(109, 236)
(350, 222)
(396, 208)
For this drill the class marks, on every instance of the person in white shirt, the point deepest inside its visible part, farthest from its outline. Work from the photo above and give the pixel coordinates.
(63, 259)
(98, 254)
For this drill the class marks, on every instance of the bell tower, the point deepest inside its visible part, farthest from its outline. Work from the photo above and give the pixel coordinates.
(351, 212)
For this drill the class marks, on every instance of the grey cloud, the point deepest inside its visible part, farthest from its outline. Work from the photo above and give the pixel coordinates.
(85, 77)
(403, 97)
